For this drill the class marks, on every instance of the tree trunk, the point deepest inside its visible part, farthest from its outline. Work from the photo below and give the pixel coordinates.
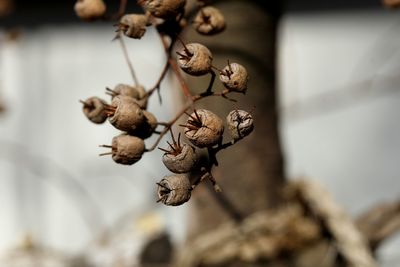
(251, 173)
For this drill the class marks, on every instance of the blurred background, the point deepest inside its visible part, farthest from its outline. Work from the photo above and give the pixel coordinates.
(338, 75)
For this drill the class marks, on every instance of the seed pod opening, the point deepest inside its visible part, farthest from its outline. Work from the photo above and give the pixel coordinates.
(240, 124)
(127, 149)
(174, 190)
(133, 25)
(195, 59)
(234, 77)
(204, 128)
(182, 160)
(209, 20)
(90, 9)
(165, 9)
(94, 110)
(128, 116)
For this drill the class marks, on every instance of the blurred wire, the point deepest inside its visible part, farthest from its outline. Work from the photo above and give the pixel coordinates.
(338, 99)
(19, 155)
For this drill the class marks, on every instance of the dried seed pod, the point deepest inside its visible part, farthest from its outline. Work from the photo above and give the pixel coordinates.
(124, 90)
(204, 128)
(182, 161)
(391, 3)
(209, 20)
(127, 149)
(234, 77)
(126, 114)
(174, 190)
(137, 92)
(179, 158)
(165, 9)
(195, 59)
(146, 129)
(90, 9)
(204, 2)
(94, 109)
(133, 25)
(142, 98)
(141, 91)
(240, 124)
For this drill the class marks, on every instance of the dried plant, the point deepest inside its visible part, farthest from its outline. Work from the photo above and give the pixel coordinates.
(128, 108)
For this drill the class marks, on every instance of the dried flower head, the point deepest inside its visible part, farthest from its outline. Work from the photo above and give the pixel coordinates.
(133, 25)
(203, 128)
(126, 149)
(165, 9)
(195, 59)
(209, 20)
(179, 158)
(94, 109)
(234, 77)
(240, 124)
(125, 114)
(90, 9)
(174, 190)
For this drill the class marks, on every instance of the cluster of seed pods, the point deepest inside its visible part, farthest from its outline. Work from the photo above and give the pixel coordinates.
(128, 112)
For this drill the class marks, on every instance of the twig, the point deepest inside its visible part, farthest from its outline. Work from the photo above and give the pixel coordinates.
(380, 222)
(175, 68)
(128, 61)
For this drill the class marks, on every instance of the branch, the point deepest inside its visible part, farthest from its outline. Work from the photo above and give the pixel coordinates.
(128, 61)
(380, 222)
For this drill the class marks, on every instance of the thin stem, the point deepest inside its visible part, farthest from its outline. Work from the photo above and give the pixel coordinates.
(160, 79)
(226, 204)
(128, 61)
(175, 68)
(212, 80)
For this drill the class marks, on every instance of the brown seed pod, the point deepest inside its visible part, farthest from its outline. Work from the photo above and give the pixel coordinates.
(174, 190)
(195, 59)
(125, 114)
(204, 128)
(137, 92)
(124, 90)
(181, 162)
(204, 2)
(165, 9)
(209, 20)
(94, 109)
(142, 99)
(240, 124)
(90, 9)
(126, 149)
(134, 25)
(179, 158)
(146, 129)
(234, 77)
(391, 3)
